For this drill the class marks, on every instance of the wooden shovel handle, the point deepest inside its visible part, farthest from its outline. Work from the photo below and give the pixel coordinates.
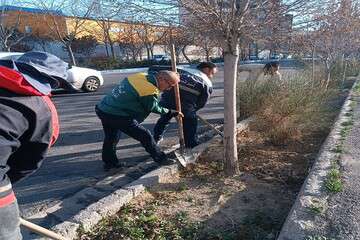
(177, 100)
(40, 230)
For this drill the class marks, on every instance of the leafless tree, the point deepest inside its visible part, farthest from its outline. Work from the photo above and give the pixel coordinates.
(150, 36)
(62, 28)
(105, 13)
(130, 42)
(181, 38)
(85, 45)
(229, 23)
(207, 46)
(9, 28)
(332, 34)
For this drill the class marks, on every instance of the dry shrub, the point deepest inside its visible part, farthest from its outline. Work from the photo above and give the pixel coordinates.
(286, 110)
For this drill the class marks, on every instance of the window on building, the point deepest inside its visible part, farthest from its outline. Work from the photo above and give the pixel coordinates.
(116, 30)
(28, 29)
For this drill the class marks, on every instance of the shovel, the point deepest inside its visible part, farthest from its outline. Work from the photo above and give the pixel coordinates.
(184, 156)
(211, 126)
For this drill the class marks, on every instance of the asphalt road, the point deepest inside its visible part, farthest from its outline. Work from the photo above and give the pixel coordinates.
(75, 162)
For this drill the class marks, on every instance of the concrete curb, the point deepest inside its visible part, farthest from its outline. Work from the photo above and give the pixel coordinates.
(125, 70)
(110, 204)
(300, 221)
(142, 69)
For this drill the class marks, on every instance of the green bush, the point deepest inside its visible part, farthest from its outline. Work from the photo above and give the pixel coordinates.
(287, 109)
(353, 67)
(337, 71)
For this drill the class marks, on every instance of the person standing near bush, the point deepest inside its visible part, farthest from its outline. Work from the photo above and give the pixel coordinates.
(195, 90)
(28, 126)
(127, 106)
(271, 72)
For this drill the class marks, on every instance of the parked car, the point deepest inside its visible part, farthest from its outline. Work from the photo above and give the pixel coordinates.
(180, 69)
(161, 58)
(276, 56)
(79, 78)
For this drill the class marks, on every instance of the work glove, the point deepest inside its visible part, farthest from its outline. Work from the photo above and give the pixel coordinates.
(174, 113)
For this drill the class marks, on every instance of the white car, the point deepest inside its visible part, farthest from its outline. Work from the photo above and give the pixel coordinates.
(160, 58)
(79, 78)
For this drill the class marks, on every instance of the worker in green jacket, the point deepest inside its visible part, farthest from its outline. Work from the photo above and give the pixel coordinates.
(127, 106)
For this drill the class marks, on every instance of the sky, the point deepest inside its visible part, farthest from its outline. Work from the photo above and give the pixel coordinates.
(126, 11)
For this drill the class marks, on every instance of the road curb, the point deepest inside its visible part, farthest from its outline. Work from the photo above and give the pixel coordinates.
(125, 70)
(112, 203)
(301, 221)
(142, 69)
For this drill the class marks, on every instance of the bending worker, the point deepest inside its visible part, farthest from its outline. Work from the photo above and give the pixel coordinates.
(28, 125)
(195, 90)
(127, 106)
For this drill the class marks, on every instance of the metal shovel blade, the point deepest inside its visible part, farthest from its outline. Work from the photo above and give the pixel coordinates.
(185, 157)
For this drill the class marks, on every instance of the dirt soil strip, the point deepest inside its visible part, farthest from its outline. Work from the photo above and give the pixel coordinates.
(112, 203)
(301, 221)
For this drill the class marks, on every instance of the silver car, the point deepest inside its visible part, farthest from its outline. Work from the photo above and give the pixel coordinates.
(79, 78)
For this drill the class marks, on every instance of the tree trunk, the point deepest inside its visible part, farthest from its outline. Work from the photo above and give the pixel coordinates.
(43, 46)
(112, 48)
(183, 50)
(231, 165)
(121, 54)
(134, 55)
(71, 55)
(107, 49)
(344, 74)
(256, 50)
(177, 53)
(313, 67)
(328, 75)
(152, 51)
(148, 53)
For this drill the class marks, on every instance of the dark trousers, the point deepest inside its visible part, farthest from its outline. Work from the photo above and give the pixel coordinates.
(25, 133)
(114, 125)
(9, 222)
(189, 128)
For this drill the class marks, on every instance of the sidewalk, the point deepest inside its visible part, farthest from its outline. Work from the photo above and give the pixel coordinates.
(342, 220)
(326, 209)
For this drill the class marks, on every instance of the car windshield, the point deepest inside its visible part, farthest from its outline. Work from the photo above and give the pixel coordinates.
(10, 57)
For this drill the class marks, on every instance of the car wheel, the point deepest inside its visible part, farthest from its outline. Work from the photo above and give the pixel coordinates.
(91, 84)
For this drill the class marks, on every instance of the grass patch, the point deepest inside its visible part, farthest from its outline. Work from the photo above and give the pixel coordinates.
(333, 182)
(137, 223)
(349, 114)
(338, 149)
(318, 238)
(347, 123)
(183, 187)
(357, 88)
(353, 104)
(317, 207)
(344, 132)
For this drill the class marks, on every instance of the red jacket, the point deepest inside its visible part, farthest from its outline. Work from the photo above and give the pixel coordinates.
(28, 127)
(15, 82)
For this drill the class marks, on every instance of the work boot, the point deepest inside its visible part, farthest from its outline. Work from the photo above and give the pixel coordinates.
(158, 140)
(108, 167)
(164, 160)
